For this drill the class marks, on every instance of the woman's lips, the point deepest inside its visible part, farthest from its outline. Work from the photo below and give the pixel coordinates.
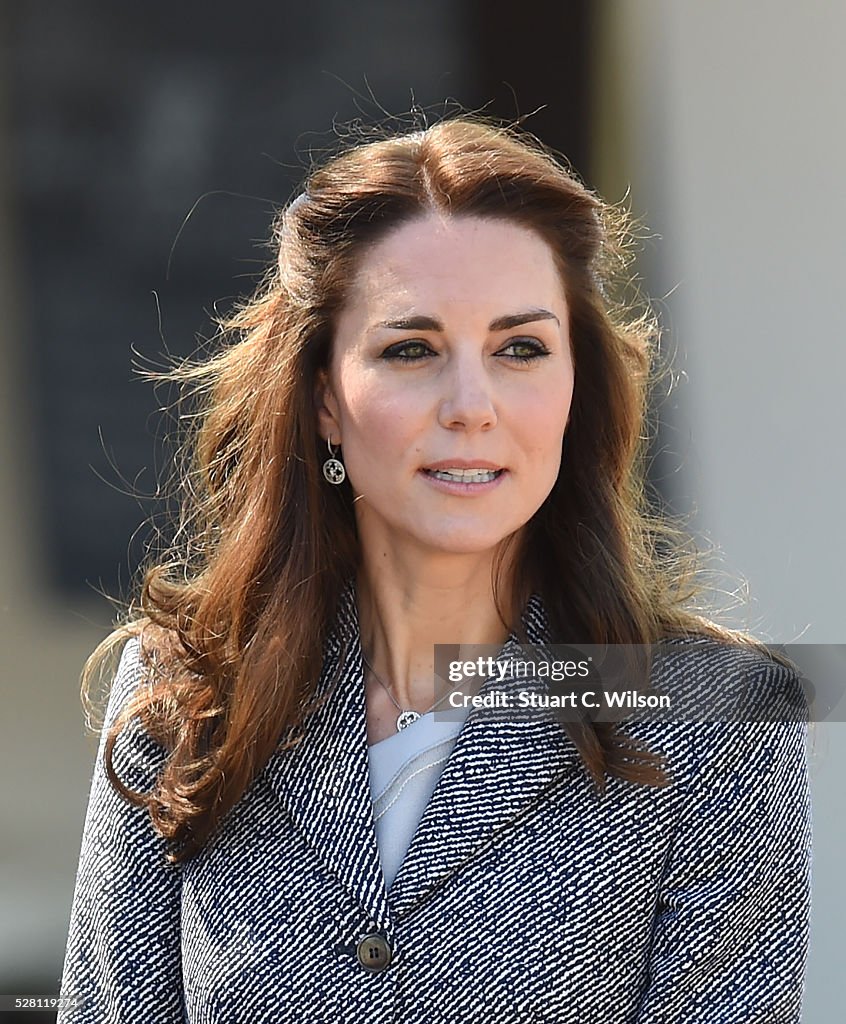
(456, 463)
(464, 487)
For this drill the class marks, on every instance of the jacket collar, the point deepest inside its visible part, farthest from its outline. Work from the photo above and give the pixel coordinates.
(496, 771)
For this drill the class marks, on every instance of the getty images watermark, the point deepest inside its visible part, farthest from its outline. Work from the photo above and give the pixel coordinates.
(694, 679)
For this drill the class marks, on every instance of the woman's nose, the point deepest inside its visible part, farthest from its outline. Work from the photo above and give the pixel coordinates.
(468, 401)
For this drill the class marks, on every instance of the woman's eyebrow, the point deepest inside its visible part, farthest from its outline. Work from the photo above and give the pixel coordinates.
(505, 323)
(431, 323)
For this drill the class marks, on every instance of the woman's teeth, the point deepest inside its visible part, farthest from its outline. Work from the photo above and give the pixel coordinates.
(466, 476)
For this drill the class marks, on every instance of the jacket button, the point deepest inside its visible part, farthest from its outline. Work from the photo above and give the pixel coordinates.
(373, 952)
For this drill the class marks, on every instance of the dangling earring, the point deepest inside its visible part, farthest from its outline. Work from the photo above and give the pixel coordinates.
(333, 469)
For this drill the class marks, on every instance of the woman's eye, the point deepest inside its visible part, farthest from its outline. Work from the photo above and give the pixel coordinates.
(407, 351)
(528, 350)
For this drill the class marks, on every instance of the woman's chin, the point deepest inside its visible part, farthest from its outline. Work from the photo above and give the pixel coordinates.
(463, 542)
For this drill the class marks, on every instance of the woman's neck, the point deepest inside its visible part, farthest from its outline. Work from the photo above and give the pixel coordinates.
(403, 616)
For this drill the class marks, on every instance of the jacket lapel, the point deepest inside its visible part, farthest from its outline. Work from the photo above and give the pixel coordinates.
(502, 764)
(324, 781)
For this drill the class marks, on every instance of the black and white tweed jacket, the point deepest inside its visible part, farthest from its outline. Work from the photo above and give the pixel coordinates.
(524, 897)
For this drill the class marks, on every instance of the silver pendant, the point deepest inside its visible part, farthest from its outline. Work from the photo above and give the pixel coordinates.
(406, 718)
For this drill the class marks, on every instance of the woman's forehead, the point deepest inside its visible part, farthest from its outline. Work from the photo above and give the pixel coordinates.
(455, 262)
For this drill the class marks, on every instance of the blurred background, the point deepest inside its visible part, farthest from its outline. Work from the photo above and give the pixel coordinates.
(143, 149)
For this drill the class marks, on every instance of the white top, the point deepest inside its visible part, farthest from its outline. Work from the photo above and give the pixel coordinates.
(404, 770)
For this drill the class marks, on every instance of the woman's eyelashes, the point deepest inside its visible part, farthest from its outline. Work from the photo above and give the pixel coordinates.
(416, 351)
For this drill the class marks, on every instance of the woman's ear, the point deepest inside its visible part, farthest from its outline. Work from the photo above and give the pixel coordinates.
(326, 406)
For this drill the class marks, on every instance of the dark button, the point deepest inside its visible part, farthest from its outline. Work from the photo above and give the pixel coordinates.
(373, 952)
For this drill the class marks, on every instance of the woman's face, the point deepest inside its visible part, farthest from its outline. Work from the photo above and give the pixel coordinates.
(452, 353)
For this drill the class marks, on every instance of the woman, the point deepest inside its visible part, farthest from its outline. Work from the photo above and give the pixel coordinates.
(427, 430)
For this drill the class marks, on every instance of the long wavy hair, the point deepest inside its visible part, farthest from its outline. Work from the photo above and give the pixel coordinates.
(233, 616)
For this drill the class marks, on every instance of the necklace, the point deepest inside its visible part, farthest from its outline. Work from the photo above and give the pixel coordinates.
(408, 716)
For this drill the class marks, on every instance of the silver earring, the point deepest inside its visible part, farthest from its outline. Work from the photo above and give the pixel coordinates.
(333, 469)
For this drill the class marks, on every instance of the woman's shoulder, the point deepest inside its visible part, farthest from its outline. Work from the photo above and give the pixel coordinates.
(129, 675)
(732, 705)
(137, 757)
(728, 677)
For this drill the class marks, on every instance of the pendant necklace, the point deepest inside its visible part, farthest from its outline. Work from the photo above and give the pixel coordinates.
(406, 717)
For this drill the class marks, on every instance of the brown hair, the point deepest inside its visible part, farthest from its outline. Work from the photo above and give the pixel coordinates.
(232, 620)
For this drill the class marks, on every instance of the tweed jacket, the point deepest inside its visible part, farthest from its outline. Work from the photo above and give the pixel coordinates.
(525, 896)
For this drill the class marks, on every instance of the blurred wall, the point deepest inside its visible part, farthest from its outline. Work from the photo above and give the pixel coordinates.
(44, 761)
(725, 119)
